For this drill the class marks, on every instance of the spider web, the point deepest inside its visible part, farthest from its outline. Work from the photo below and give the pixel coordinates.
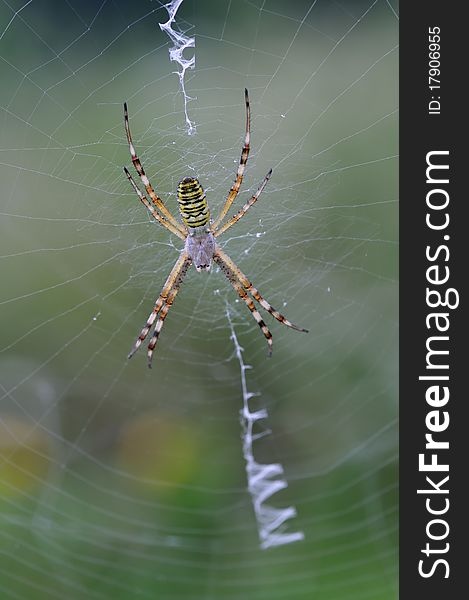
(120, 482)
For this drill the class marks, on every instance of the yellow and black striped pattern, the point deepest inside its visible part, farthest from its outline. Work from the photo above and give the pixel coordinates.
(193, 203)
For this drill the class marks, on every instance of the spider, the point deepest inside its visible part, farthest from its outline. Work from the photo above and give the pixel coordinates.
(199, 234)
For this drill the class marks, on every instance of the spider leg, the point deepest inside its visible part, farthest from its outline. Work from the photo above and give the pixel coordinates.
(232, 278)
(139, 168)
(174, 279)
(153, 212)
(242, 166)
(234, 219)
(166, 306)
(222, 258)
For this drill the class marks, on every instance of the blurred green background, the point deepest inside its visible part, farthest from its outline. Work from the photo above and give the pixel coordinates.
(121, 482)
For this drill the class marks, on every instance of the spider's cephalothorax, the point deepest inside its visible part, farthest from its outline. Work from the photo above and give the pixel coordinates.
(199, 235)
(200, 248)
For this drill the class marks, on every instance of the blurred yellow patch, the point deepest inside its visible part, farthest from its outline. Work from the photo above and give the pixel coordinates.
(24, 456)
(159, 451)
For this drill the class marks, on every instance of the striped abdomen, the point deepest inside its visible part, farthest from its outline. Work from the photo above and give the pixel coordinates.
(193, 203)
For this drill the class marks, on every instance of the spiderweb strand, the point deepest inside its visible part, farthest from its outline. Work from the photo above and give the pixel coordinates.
(176, 54)
(264, 480)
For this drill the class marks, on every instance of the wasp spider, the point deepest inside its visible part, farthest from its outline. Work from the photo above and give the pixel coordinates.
(199, 234)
